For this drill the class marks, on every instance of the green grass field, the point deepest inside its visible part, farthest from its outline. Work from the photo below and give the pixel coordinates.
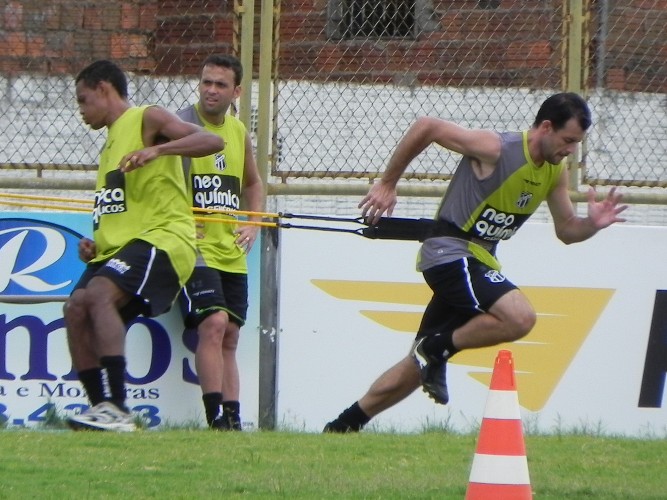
(201, 463)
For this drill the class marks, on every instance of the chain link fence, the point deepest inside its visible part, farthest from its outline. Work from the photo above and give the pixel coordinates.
(160, 44)
(627, 83)
(379, 65)
(350, 76)
(482, 64)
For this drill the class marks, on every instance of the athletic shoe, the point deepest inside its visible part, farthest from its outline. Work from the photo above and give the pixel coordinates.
(219, 423)
(433, 372)
(226, 423)
(104, 416)
(234, 422)
(338, 427)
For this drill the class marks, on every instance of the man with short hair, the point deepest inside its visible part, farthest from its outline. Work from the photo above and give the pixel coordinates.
(215, 300)
(500, 181)
(143, 247)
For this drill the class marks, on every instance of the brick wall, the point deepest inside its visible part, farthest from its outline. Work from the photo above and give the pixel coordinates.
(637, 51)
(509, 45)
(468, 46)
(60, 37)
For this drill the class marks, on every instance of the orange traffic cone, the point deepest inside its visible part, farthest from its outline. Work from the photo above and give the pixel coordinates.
(499, 467)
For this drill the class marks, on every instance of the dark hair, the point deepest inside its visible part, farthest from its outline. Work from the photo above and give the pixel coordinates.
(560, 108)
(104, 71)
(229, 62)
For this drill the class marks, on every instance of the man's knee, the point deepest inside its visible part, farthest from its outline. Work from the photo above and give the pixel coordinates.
(523, 323)
(516, 314)
(75, 306)
(231, 339)
(211, 330)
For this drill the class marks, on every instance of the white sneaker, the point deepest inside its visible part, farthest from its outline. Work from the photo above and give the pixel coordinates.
(104, 416)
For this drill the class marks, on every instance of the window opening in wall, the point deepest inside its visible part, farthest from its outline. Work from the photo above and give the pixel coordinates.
(489, 4)
(378, 19)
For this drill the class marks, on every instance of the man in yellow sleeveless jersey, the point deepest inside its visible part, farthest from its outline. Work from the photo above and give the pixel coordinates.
(215, 300)
(143, 247)
(500, 181)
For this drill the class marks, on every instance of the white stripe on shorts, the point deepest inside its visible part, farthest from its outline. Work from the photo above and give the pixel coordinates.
(148, 270)
(470, 287)
(185, 293)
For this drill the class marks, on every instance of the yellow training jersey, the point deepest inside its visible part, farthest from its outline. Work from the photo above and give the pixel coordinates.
(148, 204)
(215, 182)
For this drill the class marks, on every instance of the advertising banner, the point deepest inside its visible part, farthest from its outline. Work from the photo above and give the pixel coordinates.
(349, 308)
(595, 361)
(39, 266)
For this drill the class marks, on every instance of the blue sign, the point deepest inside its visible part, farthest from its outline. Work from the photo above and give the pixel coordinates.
(38, 258)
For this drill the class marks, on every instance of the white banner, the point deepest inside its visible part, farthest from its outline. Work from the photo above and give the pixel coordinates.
(39, 262)
(595, 361)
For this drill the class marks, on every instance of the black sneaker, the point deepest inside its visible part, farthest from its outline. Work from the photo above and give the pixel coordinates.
(234, 422)
(338, 427)
(433, 372)
(226, 423)
(220, 423)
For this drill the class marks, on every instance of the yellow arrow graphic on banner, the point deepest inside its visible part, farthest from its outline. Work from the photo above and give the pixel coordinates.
(565, 318)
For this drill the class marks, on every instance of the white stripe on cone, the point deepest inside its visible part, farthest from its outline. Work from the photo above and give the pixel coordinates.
(502, 405)
(499, 469)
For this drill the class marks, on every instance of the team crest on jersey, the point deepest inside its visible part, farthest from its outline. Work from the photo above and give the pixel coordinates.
(524, 199)
(494, 276)
(220, 162)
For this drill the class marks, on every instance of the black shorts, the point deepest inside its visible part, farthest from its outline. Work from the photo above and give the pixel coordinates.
(209, 290)
(143, 271)
(461, 290)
